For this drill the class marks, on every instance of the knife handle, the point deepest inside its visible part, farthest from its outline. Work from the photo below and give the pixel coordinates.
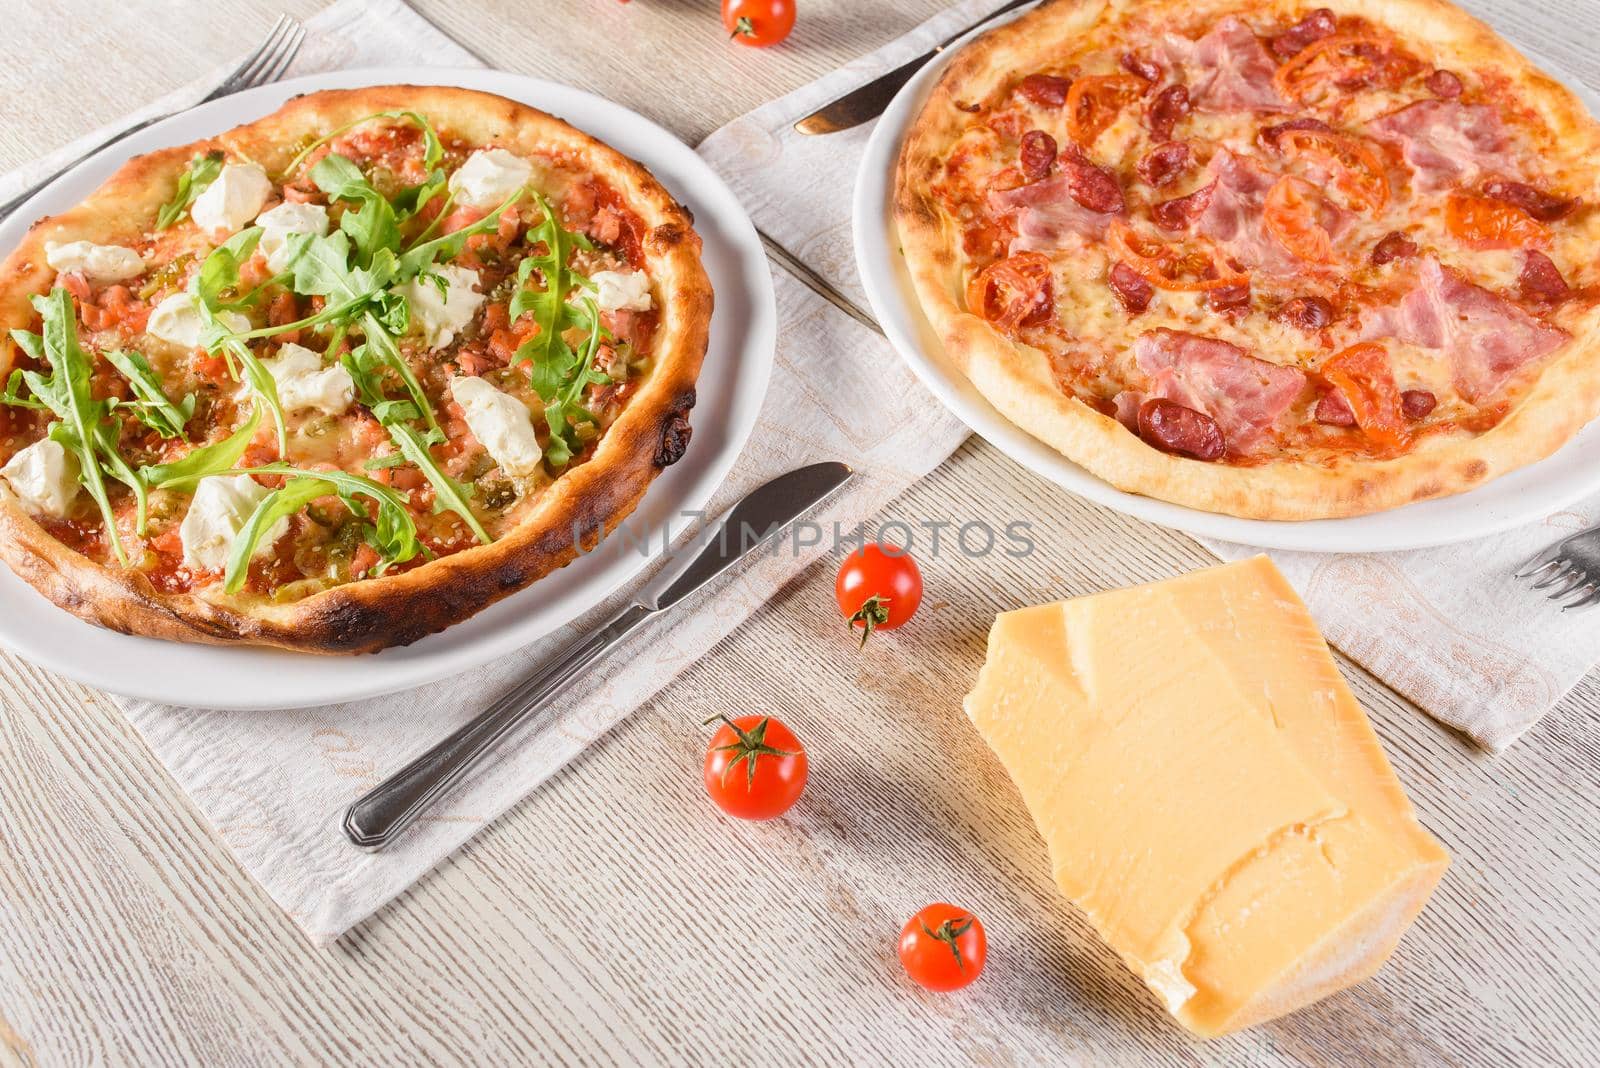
(379, 816)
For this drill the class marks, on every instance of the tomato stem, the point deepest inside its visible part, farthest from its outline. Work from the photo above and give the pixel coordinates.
(874, 612)
(751, 745)
(948, 932)
(743, 28)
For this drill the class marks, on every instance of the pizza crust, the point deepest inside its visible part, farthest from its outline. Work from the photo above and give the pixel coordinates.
(1017, 378)
(375, 613)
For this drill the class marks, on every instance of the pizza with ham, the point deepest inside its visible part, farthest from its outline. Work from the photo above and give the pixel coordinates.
(341, 377)
(1272, 260)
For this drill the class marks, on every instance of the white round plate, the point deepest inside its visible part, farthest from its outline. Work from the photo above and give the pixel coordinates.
(731, 388)
(1523, 496)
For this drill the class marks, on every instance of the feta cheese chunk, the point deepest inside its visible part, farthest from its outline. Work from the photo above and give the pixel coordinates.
(220, 507)
(97, 263)
(232, 200)
(284, 221)
(303, 382)
(621, 290)
(440, 317)
(501, 422)
(488, 177)
(44, 476)
(177, 320)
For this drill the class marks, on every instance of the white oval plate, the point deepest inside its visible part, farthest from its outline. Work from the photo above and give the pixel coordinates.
(1523, 496)
(732, 385)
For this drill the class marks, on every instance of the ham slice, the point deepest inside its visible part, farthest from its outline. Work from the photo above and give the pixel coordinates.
(1233, 217)
(1445, 142)
(1485, 337)
(1227, 70)
(1245, 396)
(1046, 215)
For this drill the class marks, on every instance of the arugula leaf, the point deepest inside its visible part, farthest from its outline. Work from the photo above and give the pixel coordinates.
(203, 170)
(558, 372)
(393, 536)
(373, 225)
(432, 151)
(84, 425)
(211, 459)
(320, 266)
(219, 275)
(409, 202)
(294, 495)
(365, 369)
(13, 394)
(420, 257)
(565, 411)
(153, 408)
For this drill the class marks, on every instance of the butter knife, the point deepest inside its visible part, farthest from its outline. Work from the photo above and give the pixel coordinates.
(379, 817)
(869, 101)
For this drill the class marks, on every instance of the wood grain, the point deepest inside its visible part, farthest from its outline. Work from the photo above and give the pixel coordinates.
(613, 917)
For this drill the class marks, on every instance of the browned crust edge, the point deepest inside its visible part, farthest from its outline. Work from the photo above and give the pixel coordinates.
(1016, 379)
(376, 613)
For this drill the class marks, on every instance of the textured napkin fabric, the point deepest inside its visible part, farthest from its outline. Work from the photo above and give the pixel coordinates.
(273, 784)
(1446, 627)
(1442, 627)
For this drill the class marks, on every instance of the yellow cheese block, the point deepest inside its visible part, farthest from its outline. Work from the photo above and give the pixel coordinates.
(1211, 793)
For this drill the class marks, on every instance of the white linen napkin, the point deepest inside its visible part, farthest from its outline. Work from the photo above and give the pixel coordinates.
(273, 784)
(1448, 628)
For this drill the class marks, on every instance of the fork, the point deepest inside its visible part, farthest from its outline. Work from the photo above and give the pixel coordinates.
(266, 64)
(1573, 562)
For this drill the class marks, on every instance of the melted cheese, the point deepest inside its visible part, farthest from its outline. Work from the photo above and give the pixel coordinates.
(97, 263)
(44, 476)
(220, 507)
(488, 177)
(283, 222)
(1212, 795)
(441, 315)
(304, 383)
(501, 423)
(176, 320)
(233, 199)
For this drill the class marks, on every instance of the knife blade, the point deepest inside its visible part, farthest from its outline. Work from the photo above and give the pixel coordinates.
(869, 101)
(379, 816)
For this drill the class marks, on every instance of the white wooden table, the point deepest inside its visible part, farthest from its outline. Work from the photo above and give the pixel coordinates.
(614, 917)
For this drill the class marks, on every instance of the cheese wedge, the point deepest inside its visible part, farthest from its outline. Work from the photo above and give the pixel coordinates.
(1211, 793)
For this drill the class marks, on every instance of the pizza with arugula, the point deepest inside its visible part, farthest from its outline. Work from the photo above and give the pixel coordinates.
(1276, 260)
(341, 377)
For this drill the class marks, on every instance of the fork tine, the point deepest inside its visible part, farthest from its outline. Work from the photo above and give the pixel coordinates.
(246, 73)
(1590, 598)
(268, 43)
(1529, 572)
(1562, 571)
(1575, 578)
(289, 50)
(1539, 561)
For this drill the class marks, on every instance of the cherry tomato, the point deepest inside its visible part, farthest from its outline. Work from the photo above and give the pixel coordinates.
(943, 947)
(758, 22)
(755, 767)
(878, 589)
